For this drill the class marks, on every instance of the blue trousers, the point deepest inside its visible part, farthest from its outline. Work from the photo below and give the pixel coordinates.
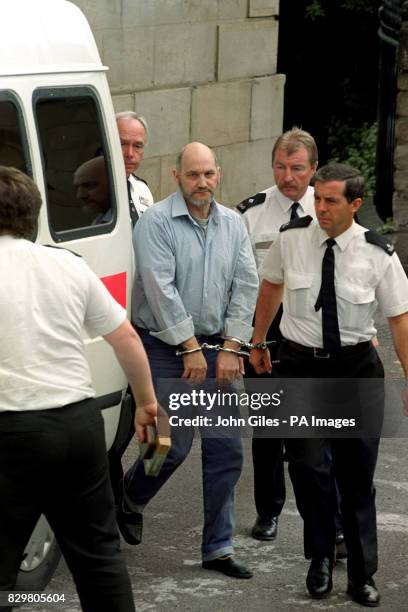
(221, 456)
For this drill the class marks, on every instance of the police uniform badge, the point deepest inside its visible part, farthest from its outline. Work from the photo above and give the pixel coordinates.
(296, 223)
(380, 241)
(245, 205)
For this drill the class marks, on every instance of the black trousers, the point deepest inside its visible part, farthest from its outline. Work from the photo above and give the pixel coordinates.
(353, 462)
(267, 453)
(54, 462)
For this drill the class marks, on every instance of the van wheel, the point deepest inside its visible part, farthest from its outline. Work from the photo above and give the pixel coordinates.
(41, 558)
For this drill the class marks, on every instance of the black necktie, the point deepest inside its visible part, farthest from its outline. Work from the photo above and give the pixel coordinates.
(132, 208)
(293, 211)
(327, 301)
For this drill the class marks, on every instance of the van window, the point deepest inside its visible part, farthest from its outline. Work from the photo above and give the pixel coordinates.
(13, 142)
(76, 163)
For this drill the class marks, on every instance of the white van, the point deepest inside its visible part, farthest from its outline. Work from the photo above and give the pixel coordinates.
(56, 114)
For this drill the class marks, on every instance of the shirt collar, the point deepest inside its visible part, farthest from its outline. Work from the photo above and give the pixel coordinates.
(286, 203)
(179, 208)
(344, 239)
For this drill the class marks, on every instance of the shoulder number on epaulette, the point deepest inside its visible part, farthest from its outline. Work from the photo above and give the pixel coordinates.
(296, 223)
(250, 202)
(380, 241)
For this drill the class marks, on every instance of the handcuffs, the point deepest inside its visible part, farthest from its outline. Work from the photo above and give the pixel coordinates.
(217, 347)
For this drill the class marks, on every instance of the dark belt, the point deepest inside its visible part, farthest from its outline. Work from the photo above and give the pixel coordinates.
(321, 353)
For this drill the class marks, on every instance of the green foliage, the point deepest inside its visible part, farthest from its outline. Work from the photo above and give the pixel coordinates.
(316, 9)
(356, 147)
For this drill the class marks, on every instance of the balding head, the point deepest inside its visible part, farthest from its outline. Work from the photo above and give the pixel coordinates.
(197, 175)
(196, 149)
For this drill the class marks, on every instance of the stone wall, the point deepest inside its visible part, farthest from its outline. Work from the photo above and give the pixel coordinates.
(400, 198)
(197, 70)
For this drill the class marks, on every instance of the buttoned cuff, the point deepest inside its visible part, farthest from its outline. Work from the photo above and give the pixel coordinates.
(237, 329)
(177, 333)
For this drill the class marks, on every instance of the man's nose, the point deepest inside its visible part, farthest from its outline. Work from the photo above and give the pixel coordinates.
(288, 174)
(128, 150)
(202, 180)
(321, 206)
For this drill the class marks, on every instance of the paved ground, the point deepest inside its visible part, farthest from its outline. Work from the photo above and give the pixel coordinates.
(165, 569)
(166, 573)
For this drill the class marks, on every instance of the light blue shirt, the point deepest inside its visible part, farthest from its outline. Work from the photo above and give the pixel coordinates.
(189, 282)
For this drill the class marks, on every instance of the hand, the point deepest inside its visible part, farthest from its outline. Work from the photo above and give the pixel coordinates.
(228, 367)
(195, 367)
(144, 416)
(260, 360)
(241, 365)
(404, 396)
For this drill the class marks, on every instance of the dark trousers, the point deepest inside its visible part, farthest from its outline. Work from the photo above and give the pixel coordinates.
(221, 456)
(353, 462)
(269, 476)
(267, 453)
(54, 462)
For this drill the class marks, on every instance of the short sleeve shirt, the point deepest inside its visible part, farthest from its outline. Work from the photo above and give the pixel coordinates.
(47, 297)
(365, 277)
(264, 220)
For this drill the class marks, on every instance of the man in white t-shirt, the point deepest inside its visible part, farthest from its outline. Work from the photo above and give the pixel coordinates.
(52, 444)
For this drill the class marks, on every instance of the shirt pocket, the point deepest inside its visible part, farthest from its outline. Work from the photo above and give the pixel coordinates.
(356, 305)
(299, 295)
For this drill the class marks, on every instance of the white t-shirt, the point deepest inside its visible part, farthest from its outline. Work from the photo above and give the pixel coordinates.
(365, 277)
(47, 297)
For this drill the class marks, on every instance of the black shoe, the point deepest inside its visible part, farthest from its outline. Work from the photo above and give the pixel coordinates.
(319, 578)
(365, 594)
(229, 567)
(341, 548)
(265, 529)
(130, 523)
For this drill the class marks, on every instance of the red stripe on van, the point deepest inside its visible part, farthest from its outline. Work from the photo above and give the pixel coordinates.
(116, 285)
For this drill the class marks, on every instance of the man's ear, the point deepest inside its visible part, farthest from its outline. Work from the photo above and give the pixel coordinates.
(175, 176)
(356, 204)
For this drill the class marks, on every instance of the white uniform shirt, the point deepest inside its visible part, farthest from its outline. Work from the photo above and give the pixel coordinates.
(141, 195)
(365, 276)
(47, 296)
(264, 220)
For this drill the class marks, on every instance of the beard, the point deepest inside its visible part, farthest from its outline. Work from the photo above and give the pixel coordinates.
(199, 203)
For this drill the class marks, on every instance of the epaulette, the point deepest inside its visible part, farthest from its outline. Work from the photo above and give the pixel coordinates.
(140, 179)
(380, 241)
(250, 202)
(52, 246)
(299, 222)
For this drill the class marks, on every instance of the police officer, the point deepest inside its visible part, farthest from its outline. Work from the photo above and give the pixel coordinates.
(133, 133)
(294, 161)
(52, 440)
(330, 294)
